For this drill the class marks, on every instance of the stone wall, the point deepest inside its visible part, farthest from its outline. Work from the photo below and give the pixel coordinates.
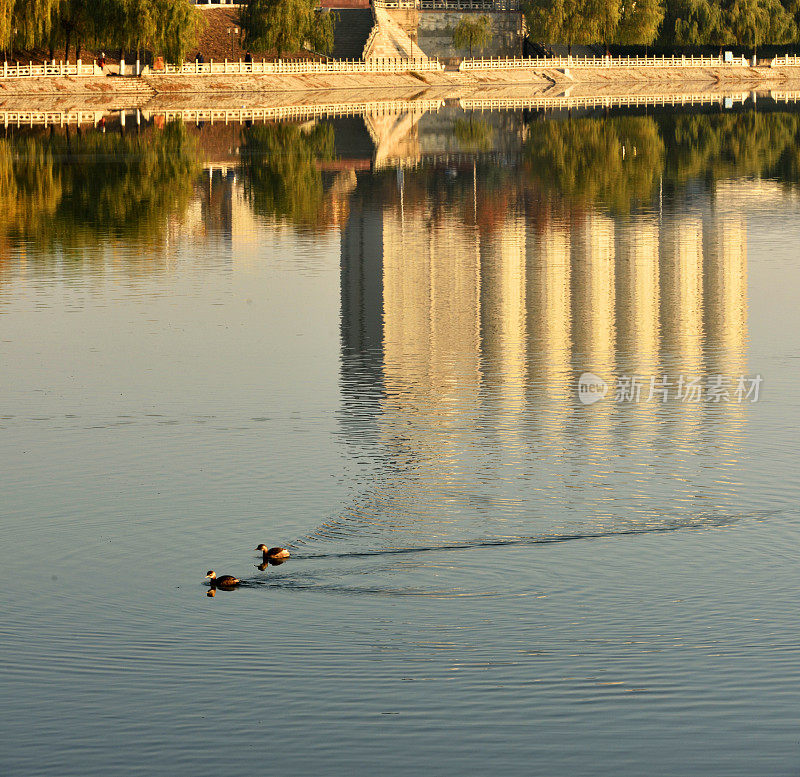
(391, 39)
(435, 34)
(344, 4)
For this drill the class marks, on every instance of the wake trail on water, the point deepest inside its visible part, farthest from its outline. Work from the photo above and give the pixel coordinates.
(709, 522)
(373, 578)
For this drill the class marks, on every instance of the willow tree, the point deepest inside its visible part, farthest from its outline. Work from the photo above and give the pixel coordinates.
(6, 23)
(793, 7)
(286, 26)
(179, 25)
(472, 31)
(76, 22)
(571, 21)
(692, 23)
(27, 23)
(753, 22)
(168, 27)
(639, 22)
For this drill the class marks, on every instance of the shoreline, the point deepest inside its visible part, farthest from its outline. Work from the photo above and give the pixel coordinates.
(219, 108)
(149, 86)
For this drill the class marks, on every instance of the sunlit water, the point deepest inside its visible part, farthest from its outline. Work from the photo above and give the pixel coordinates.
(220, 336)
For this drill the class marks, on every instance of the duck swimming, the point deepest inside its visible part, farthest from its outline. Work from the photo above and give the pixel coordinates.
(223, 581)
(273, 554)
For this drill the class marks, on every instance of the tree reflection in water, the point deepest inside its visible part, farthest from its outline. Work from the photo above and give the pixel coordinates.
(614, 162)
(70, 189)
(619, 162)
(282, 175)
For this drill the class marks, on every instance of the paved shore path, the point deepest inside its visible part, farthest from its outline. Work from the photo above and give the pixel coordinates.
(618, 79)
(50, 108)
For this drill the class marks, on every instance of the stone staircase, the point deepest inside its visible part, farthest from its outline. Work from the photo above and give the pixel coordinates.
(352, 30)
(391, 40)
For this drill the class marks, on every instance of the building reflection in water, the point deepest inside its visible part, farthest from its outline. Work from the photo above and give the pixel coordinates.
(483, 270)
(549, 326)
(476, 334)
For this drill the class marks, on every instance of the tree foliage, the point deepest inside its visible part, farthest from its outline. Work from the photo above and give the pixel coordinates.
(753, 22)
(639, 21)
(286, 26)
(730, 22)
(472, 31)
(673, 22)
(170, 27)
(166, 27)
(572, 21)
(692, 23)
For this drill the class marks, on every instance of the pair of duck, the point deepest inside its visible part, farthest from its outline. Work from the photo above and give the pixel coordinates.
(271, 556)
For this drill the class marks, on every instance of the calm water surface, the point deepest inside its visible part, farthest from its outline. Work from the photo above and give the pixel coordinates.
(361, 338)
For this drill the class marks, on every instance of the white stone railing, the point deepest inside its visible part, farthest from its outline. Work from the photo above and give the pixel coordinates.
(602, 101)
(302, 66)
(49, 118)
(785, 60)
(451, 5)
(299, 112)
(31, 70)
(509, 63)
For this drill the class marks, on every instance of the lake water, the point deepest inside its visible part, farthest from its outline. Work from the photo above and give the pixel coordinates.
(362, 338)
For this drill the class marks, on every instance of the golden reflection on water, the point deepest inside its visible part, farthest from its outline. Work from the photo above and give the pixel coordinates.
(475, 286)
(503, 335)
(482, 332)
(599, 294)
(549, 325)
(725, 321)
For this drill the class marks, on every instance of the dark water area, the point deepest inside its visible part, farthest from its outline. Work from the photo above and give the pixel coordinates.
(365, 339)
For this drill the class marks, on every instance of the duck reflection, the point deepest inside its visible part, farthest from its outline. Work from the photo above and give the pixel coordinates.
(276, 562)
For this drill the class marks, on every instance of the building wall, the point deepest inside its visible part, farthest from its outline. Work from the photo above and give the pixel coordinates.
(434, 32)
(344, 3)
